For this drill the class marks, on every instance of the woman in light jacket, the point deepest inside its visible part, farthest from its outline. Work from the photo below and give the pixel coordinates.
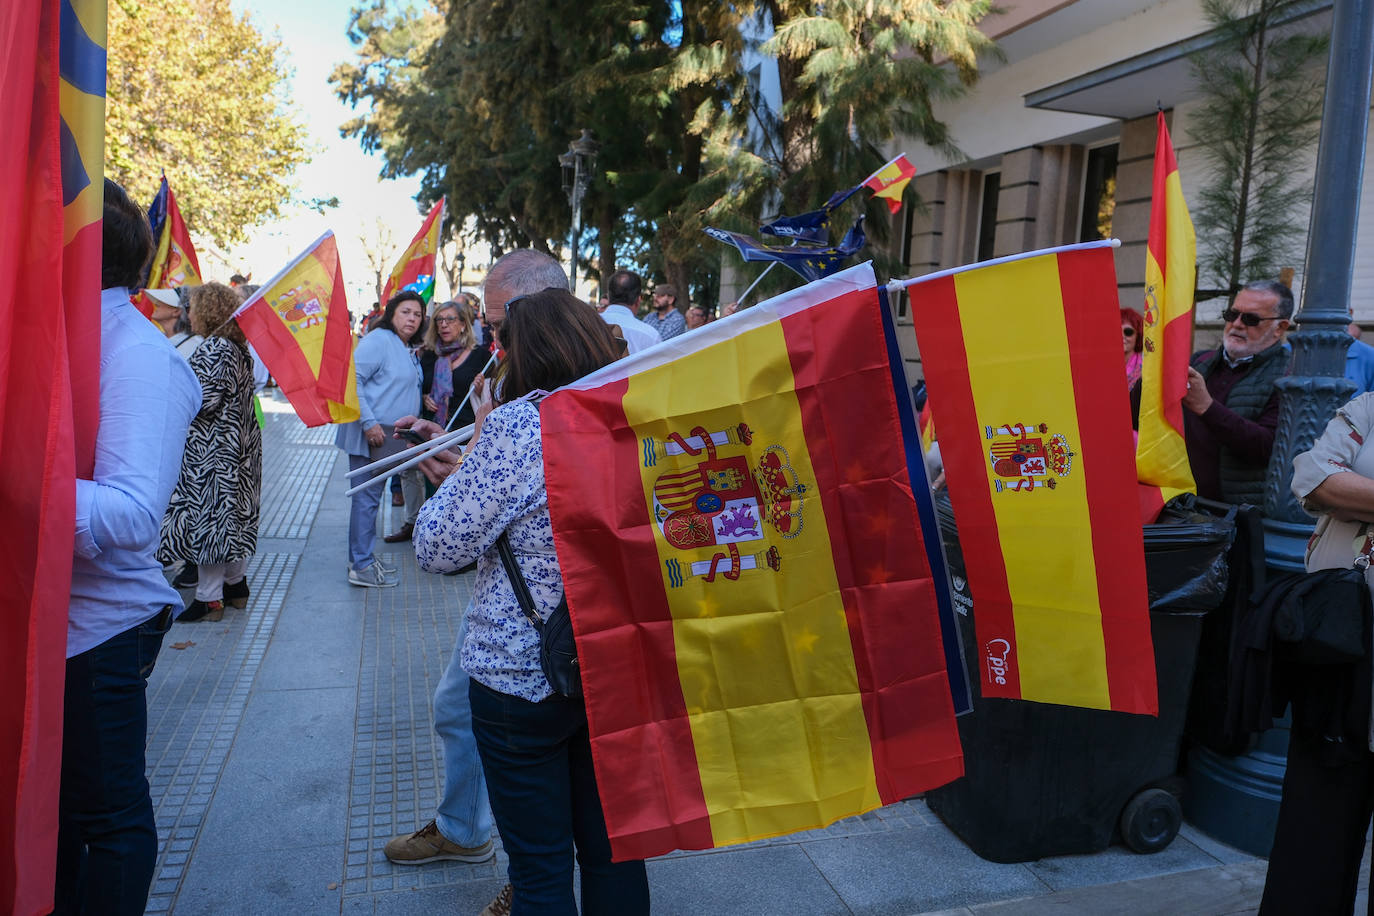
(388, 376)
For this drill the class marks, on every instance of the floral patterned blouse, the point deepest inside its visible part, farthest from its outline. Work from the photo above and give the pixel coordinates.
(499, 487)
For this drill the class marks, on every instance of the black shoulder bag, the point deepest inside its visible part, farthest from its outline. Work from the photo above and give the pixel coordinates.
(557, 650)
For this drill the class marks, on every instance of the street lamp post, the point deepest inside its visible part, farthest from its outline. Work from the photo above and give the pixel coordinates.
(462, 259)
(577, 165)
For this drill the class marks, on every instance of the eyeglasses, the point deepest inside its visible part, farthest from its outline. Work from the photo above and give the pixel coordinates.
(1128, 332)
(511, 302)
(447, 320)
(1249, 319)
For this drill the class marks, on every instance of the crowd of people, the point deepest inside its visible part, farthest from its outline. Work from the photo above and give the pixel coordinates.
(177, 479)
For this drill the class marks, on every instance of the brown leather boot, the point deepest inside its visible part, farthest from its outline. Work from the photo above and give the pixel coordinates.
(402, 535)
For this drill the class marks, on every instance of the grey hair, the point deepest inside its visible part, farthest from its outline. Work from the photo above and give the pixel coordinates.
(527, 271)
(1274, 288)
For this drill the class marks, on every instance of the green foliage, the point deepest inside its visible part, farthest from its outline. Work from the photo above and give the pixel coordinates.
(197, 91)
(1261, 115)
(482, 107)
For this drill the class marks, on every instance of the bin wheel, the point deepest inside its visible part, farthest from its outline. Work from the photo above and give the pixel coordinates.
(1150, 820)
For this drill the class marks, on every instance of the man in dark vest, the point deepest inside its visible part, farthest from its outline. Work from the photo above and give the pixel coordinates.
(1232, 404)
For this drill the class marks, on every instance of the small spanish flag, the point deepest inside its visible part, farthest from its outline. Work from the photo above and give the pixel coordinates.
(415, 269)
(890, 181)
(1161, 456)
(754, 603)
(1024, 359)
(299, 324)
(174, 262)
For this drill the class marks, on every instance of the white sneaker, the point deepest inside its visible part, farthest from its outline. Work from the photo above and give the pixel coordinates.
(371, 577)
(387, 564)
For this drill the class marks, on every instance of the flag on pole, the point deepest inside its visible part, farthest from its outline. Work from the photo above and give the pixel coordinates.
(174, 261)
(299, 323)
(52, 98)
(1035, 433)
(1170, 274)
(809, 261)
(415, 269)
(891, 180)
(747, 577)
(888, 183)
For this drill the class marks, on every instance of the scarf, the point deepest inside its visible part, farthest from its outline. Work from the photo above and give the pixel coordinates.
(442, 388)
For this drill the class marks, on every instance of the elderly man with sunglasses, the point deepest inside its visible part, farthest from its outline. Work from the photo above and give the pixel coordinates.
(1232, 404)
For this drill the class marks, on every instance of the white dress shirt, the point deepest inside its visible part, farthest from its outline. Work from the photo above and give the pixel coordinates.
(638, 335)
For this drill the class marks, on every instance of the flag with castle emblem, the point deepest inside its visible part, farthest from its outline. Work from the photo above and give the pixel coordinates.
(299, 324)
(754, 602)
(174, 260)
(1035, 434)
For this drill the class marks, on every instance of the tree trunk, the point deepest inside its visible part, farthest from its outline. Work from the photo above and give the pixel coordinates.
(680, 277)
(605, 238)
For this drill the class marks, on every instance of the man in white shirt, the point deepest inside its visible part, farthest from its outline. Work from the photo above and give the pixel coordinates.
(623, 297)
(120, 603)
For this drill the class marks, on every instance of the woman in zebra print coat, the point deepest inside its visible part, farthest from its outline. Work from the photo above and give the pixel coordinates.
(212, 520)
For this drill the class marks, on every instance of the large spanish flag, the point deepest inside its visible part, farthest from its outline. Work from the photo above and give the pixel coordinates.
(299, 323)
(52, 100)
(1024, 358)
(751, 593)
(1170, 273)
(174, 262)
(415, 269)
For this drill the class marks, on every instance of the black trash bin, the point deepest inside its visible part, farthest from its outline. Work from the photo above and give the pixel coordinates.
(1043, 780)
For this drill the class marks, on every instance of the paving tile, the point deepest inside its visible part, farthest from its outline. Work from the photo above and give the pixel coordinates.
(911, 871)
(1119, 864)
(294, 880)
(470, 897)
(770, 879)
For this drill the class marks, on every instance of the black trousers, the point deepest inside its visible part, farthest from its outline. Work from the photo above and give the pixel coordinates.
(1314, 867)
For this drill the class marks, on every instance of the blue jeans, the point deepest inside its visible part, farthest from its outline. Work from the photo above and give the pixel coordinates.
(464, 815)
(362, 518)
(538, 762)
(106, 840)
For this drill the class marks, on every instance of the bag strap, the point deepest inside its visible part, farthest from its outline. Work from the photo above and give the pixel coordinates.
(517, 581)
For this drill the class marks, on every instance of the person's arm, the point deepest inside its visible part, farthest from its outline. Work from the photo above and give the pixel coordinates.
(148, 399)
(213, 366)
(367, 362)
(1251, 440)
(1323, 477)
(501, 480)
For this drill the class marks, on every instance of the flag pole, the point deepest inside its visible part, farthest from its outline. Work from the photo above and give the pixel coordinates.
(467, 397)
(437, 444)
(742, 295)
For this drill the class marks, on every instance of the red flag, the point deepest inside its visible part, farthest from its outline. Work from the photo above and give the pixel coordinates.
(415, 269)
(747, 578)
(50, 165)
(891, 180)
(1035, 434)
(299, 324)
(174, 261)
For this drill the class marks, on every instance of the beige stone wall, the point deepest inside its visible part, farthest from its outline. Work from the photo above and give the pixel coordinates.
(1131, 223)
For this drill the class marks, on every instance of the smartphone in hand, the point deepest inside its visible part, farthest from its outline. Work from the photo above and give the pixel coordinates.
(411, 435)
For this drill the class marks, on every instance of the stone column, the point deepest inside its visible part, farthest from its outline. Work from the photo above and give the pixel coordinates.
(1135, 162)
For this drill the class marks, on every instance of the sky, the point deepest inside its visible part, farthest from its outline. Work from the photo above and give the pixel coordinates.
(315, 39)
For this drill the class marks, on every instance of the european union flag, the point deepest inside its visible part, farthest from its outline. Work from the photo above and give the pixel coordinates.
(813, 227)
(809, 260)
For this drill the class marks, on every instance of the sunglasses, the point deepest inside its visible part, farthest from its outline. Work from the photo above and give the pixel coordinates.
(523, 296)
(1249, 319)
(1128, 332)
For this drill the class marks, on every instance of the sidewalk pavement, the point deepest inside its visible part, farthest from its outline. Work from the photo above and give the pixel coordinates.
(289, 741)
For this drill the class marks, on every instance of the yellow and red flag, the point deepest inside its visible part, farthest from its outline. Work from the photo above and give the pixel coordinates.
(1035, 433)
(753, 600)
(1161, 456)
(415, 269)
(299, 324)
(52, 100)
(174, 262)
(891, 180)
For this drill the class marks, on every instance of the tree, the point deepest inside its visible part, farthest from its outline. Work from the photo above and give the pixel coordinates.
(200, 93)
(1261, 113)
(662, 86)
(379, 248)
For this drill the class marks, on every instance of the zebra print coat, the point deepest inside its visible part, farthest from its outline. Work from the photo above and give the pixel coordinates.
(213, 515)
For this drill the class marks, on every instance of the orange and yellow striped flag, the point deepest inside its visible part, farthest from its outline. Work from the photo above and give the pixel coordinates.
(1161, 456)
(754, 603)
(1035, 432)
(299, 324)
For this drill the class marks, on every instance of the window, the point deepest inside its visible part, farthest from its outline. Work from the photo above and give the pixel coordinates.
(1099, 194)
(987, 219)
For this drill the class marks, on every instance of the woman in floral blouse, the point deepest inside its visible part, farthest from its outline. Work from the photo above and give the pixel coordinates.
(533, 742)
